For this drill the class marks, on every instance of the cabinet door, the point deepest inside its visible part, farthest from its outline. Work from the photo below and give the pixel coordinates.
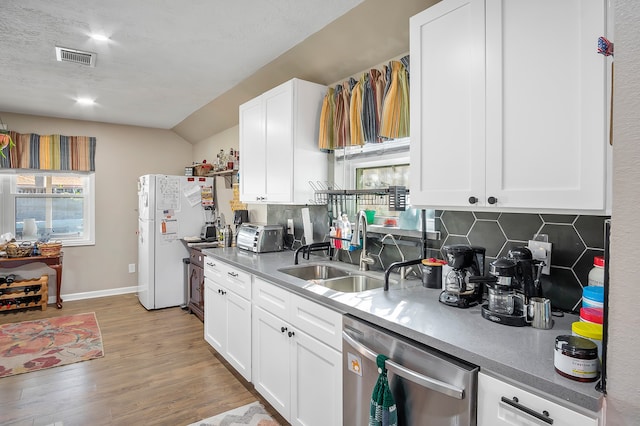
(253, 149)
(278, 111)
(492, 411)
(271, 359)
(238, 348)
(546, 104)
(215, 315)
(316, 382)
(447, 104)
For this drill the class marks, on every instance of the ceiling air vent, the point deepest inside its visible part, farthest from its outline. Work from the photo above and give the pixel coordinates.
(64, 54)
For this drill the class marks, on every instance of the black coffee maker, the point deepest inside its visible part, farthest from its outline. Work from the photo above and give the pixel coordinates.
(528, 272)
(465, 262)
(513, 281)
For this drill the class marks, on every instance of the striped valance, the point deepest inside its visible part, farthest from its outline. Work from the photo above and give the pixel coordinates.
(372, 109)
(51, 152)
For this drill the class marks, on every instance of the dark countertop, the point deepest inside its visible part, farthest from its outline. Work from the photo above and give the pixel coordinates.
(523, 355)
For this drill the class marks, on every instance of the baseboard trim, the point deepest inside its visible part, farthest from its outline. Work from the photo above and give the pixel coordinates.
(94, 294)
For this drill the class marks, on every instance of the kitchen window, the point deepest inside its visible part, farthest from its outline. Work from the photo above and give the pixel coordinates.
(381, 177)
(57, 206)
(374, 166)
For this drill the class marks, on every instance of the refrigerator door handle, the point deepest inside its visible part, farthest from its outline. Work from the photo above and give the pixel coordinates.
(420, 379)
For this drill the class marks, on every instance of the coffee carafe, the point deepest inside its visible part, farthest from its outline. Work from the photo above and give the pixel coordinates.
(465, 261)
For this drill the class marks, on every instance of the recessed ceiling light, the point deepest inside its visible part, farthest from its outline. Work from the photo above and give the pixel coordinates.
(85, 101)
(99, 37)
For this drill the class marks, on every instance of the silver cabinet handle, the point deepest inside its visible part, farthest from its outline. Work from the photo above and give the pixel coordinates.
(420, 379)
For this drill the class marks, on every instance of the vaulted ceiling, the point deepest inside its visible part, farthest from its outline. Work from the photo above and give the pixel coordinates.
(186, 65)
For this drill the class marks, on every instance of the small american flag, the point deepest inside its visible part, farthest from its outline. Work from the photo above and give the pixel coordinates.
(605, 47)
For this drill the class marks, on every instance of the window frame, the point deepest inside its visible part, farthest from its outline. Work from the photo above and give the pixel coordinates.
(8, 182)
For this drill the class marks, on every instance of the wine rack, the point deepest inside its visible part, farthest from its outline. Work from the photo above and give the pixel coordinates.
(24, 294)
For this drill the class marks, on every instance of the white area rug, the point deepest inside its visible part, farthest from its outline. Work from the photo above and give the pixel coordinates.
(253, 414)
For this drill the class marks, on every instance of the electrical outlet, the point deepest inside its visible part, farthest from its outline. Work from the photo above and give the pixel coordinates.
(541, 251)
(132, 268)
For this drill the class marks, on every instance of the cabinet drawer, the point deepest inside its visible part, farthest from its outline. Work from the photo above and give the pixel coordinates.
(235, 280)
(493, 411)
(318, 321)
(271, 298)
(212, 268)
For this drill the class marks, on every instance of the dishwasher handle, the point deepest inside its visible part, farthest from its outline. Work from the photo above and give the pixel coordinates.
(420, 379)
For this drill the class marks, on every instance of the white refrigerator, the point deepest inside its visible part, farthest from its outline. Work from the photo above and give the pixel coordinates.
(169, 208)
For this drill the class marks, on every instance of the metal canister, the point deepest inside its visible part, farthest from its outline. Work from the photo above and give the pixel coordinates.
(432, 272)
(227, 236)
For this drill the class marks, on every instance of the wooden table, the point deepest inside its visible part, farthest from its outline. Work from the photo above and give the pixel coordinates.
(54, 262)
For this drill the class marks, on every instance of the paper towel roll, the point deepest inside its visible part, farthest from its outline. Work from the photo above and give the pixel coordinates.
(308, 226)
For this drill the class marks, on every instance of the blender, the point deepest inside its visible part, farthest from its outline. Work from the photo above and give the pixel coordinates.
(465, 262)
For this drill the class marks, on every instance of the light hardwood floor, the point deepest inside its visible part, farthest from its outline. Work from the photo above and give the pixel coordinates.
(157, 370)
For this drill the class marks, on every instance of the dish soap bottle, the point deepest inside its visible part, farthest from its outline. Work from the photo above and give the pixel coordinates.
(338, 225)
(346, 230)
(332, 236)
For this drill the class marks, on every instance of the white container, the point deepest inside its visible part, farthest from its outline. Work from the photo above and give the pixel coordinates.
(596, 274)
(346, 227)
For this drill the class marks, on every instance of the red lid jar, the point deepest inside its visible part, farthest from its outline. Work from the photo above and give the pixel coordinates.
(592, 315)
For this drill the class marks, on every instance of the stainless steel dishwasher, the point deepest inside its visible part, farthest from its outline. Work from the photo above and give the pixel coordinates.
(428, 386)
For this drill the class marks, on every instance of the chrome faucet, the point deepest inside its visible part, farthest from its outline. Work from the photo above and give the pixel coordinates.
(361, 227)
(403, 270)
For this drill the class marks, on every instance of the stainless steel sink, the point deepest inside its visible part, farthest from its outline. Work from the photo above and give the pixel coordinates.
(315, 272)
(334, 278)
(352, 283)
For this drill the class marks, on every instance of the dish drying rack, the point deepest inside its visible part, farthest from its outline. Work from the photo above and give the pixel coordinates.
(343, 200)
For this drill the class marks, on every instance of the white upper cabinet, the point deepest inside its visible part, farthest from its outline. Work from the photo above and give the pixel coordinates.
(509, 105)
(279, 144)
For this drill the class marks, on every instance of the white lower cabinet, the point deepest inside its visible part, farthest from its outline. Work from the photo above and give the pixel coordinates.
(227, 324)
(501, 403)
(300, 375)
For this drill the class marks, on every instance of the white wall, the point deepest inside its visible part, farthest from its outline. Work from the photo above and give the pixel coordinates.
(207, 149)
(122, 154)
(623, 364)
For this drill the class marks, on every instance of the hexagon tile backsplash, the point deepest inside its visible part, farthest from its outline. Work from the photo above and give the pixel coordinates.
(576, 240)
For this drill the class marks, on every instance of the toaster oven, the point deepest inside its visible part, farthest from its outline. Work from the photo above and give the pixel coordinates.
(260, 238)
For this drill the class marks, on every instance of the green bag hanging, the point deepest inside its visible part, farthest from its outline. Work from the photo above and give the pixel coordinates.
(382, 411)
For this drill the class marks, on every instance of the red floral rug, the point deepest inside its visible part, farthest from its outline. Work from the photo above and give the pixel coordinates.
(35, 345)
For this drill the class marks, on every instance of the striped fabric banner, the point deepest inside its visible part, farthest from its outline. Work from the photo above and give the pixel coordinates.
(370, 110)
(51, 152)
